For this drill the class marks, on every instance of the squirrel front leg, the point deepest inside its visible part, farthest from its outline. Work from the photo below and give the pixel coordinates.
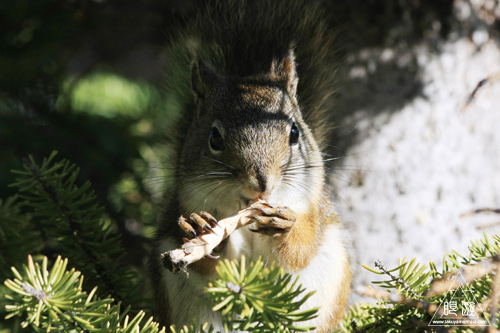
(299, 245)
(296, 235)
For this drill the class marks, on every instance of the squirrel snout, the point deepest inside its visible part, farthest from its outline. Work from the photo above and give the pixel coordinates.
(260, 186)
(258, 183)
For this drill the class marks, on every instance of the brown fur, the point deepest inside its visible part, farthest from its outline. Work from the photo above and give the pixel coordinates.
(246, 38)
(205, 266)
(260, 95)
(245, 83)
(299, 245)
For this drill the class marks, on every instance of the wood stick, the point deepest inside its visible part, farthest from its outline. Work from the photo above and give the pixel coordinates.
(197, 248)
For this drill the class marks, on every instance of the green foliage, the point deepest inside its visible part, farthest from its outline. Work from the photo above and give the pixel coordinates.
(265, 299)
(17, 237)
(412, 281)
(409, 307)
(384, 317)
(108, 94)
(75, 223)
(478, 250)
(55, 301)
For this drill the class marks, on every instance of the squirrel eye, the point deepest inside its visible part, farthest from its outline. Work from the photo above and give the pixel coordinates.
(216, 142)
(294, 135)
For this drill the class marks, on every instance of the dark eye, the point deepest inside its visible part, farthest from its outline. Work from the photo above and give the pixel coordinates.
(294, 135)
(216, 141)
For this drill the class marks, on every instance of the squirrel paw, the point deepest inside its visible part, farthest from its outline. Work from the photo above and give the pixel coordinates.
(198, 224)
(271, 220)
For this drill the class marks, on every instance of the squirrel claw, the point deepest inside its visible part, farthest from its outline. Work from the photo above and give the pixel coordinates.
(210, 256)
(209, 218)
(204, 220)
(186, 226)
(198, 224)
(199, 221)
(272, 232)
(273, 221)
(266, 209)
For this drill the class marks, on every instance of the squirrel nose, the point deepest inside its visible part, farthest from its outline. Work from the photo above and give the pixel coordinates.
(262, 184)
(258, 183)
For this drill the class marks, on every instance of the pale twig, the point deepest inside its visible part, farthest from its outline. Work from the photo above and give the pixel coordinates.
(396, 298)
(431, 308)
(479, 211)
(470, 274)
(446, 283)
(203, 245)
(472, 96)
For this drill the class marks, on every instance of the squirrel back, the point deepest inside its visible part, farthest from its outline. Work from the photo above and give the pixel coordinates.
(242, 38)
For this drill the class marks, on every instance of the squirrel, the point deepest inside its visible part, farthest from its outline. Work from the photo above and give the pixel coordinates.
(256, 101)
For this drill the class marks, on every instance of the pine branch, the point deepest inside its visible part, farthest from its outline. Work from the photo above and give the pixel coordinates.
(55, 301)
(470, 274)
(495, 292)
(254, 299)
(72, 219)
(264, 299)
(17, 236)
(414, 292)
(412, 278)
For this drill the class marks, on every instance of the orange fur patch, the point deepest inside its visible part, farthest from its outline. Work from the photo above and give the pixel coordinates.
(300, 244)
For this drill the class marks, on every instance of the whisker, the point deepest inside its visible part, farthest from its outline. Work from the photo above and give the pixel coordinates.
(212, 186)
(338, 193)
(215, 174)
(199, 187)
(217, 161)
(333, 158)
(299, 186)
(344, 180)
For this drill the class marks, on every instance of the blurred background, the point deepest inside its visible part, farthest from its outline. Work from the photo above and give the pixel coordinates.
(86, 78)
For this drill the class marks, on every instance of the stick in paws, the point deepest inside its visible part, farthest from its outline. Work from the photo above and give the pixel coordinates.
(268, 217)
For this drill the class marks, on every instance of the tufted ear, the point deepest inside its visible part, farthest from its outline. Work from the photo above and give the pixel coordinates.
(285, 71)
(203, 78)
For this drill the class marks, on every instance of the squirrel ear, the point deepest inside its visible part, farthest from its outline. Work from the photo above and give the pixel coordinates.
(203, 77)
(286, 71)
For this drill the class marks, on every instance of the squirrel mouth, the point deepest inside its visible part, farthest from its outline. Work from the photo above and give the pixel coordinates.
(247, 201)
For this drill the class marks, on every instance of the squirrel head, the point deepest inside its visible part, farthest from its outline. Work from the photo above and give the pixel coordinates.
(247, 141)
(204, 79)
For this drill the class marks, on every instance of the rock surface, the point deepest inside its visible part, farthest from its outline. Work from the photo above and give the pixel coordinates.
(413, 171)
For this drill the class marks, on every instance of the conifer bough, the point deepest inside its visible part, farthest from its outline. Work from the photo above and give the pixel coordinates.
(216, 231)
